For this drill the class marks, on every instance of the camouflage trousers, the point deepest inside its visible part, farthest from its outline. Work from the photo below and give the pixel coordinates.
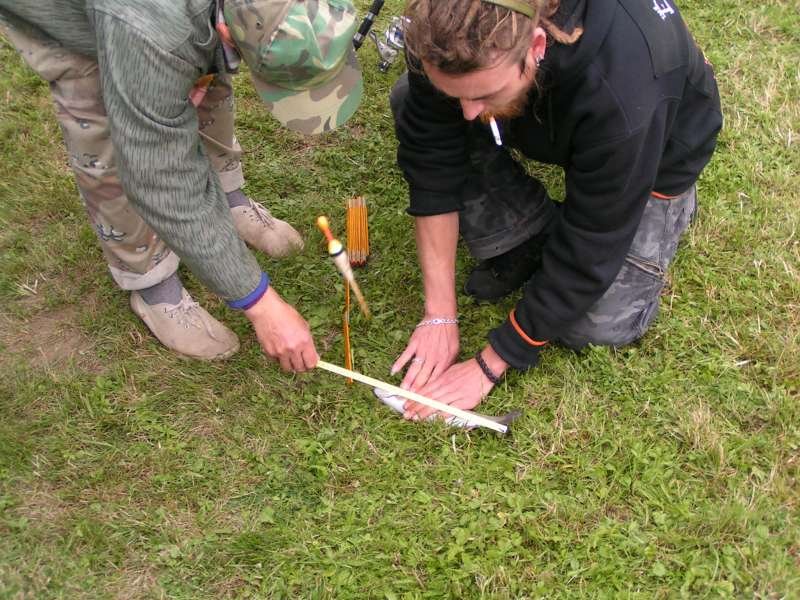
(623, 314)
(502, 207)
(136, 257)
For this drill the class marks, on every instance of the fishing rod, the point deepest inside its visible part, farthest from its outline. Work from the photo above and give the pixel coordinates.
(366, 24)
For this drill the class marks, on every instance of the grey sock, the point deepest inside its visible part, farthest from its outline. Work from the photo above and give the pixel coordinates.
(237, 198)
(166, 292)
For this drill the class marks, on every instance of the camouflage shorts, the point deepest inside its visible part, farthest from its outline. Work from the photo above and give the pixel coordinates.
(502, 206)
(496, 217)
(629, 306)
(137, 258)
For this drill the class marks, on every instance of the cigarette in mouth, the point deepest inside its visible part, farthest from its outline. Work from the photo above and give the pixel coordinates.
(495, 131)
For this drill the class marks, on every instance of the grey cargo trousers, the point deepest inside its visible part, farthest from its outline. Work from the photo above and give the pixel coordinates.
(503, 207)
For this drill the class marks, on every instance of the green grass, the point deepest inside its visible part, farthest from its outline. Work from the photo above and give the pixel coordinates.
(666, 469)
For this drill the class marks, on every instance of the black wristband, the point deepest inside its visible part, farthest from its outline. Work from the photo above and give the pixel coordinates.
(486, 370)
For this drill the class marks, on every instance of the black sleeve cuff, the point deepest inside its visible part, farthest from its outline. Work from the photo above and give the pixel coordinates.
(426, 203)
(512, 348)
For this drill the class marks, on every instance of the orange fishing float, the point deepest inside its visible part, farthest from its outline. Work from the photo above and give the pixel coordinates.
(337, 252)
(340, 258)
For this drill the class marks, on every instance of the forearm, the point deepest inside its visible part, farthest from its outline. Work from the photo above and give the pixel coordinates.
(437, 237)
(166, 177)
(196, 225)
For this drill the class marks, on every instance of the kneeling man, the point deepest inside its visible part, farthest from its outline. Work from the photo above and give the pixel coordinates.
(613, 91)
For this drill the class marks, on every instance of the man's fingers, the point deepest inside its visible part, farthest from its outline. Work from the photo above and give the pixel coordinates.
(286, 362)
(411, 409)
(401, 361)
(423, 376)
(310, 358)
(423, 411)
(420, 412)
(414, 408)
(433, 388)
(300, 361)
(304, 358)
(440, 368)
(411, 373)
(416, 377)
(437, 389)
(427, 411)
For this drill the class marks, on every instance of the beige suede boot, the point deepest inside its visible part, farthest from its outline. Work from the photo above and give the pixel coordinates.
(261, 230)
(186, 328)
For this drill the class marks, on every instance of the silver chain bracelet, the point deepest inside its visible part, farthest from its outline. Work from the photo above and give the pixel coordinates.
(437, 321)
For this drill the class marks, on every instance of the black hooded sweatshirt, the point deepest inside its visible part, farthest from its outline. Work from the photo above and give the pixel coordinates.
(630, 109)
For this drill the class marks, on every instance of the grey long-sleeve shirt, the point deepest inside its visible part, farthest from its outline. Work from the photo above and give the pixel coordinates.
(150, 53)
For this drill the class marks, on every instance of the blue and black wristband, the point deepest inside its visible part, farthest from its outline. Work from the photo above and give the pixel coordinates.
(252, 297)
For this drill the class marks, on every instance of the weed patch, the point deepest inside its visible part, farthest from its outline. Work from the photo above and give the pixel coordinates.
(665, 469)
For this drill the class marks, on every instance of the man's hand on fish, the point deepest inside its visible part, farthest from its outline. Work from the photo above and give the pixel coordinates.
(463, 385)
(430, 351)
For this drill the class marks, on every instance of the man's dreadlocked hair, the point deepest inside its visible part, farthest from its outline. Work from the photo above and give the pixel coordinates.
(459, 36)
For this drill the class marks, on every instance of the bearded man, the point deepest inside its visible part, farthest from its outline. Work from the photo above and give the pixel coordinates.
(618, 95)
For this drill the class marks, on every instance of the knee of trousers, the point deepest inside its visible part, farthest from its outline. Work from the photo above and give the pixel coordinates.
(624, 313)
(615, 332)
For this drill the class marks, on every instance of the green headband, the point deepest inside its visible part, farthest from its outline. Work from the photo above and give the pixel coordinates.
(515, 5)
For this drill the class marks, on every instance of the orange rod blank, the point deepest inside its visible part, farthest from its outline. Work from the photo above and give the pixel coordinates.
(348, 352)
(342, 262)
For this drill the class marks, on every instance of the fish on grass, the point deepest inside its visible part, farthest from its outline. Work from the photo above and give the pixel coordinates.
(396, 403)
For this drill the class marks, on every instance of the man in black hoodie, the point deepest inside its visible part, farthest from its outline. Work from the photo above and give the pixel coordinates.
(616, 93)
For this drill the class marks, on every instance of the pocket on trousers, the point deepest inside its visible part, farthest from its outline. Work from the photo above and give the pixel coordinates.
(623, 313)
(663, 223)
(649, 270)
(643, 280)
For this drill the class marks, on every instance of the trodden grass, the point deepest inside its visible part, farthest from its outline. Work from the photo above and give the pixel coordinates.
(662, 470)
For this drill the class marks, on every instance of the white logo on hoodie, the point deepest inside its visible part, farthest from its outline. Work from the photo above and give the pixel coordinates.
(663, 9)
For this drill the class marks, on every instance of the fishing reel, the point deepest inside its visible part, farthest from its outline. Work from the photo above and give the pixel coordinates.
(392, 43)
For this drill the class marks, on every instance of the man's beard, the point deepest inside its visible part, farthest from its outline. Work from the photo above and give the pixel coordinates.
(511, 110)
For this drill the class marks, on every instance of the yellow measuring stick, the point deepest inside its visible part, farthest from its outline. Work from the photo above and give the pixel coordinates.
(467, 415)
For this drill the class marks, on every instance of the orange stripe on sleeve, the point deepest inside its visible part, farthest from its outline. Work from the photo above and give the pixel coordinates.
(512, 317)
(662, 196)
